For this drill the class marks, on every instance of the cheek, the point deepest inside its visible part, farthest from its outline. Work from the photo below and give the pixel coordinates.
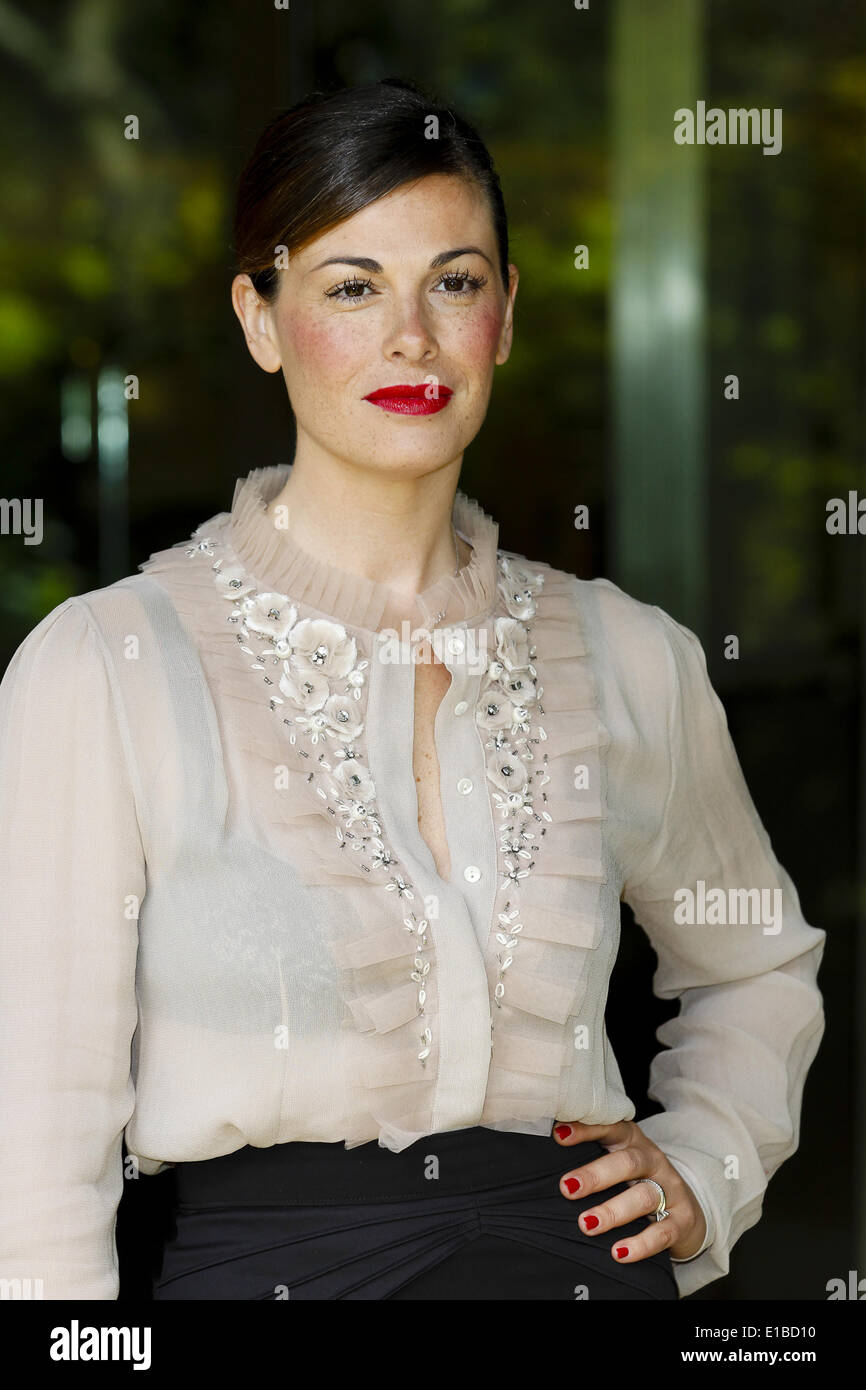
(479, 338)
(320, 351)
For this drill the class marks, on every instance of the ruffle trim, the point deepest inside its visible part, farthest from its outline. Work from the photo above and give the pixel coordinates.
(559, 903)
(279, 563)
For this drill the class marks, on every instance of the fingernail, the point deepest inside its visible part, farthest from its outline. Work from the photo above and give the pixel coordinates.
(621, 1252)
(590, 1222)
(562, 1131)
(572, 1184)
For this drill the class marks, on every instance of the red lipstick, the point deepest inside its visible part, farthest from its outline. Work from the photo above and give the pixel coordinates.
(410, 400)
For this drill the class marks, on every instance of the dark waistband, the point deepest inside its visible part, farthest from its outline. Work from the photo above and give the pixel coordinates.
(302, 1174)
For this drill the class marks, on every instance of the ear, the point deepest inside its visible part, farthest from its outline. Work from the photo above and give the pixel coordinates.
(256, 320)
(504, 349)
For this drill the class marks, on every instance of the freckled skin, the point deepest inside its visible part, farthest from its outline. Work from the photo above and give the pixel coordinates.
(431, 684)
(403, 325)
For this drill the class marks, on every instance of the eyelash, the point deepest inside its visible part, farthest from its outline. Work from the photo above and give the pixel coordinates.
(464, 276)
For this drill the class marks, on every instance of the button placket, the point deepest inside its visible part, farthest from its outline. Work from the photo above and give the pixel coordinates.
(469, 820)
(462, 1018)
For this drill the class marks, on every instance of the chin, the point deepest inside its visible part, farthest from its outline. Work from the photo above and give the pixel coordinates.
(409, 464)
(394, 452)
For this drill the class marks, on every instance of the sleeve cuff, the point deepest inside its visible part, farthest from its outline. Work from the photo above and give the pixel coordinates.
(688, 1176)
(655, 1127)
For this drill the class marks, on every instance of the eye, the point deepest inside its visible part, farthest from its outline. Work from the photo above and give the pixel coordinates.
(461, 284)
(341, 291)
(462, 278)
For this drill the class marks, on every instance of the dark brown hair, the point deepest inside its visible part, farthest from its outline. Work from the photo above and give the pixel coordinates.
(331, 154)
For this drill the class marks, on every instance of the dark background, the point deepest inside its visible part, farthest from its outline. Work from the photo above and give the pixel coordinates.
(703, 261)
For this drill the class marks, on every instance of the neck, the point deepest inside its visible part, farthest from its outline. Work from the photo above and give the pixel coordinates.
(392, 529)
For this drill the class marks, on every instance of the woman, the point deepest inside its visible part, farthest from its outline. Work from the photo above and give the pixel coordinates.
(316, 831)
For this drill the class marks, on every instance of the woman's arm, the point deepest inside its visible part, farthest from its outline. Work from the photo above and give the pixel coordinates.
(751, 1019)
(71, 878)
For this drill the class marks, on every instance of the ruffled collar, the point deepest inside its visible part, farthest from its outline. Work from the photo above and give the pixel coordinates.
(279, 564)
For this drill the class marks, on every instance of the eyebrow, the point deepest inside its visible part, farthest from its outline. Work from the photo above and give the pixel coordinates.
(365, 263)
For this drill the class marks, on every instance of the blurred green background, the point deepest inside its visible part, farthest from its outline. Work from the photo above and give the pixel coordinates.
(703, 261)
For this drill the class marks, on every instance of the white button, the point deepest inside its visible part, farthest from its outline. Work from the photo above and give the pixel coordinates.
(472, 873)
(464, 785)
(461, 707)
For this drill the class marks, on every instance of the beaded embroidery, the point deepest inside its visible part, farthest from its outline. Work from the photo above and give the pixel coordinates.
(313, 656)
(509, 698)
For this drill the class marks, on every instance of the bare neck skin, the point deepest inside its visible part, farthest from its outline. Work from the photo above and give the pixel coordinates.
(394, 530)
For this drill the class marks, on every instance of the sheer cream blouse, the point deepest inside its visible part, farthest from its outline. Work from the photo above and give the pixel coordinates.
(220, 925)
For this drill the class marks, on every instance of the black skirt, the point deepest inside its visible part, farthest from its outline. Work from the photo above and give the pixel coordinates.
(465, 1215)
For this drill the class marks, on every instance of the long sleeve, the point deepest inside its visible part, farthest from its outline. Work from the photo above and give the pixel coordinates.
(742, 963)
(71, 876)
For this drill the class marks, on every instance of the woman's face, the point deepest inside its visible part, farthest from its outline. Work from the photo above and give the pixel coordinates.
(414, 314)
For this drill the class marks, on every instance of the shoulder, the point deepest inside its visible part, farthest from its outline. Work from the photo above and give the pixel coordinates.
(636, 644)
(107, 611)
(58, 671)
(60, 636)
(116, 607)
(599, 598)
(167, 583)
(83, 630)
(634, 630)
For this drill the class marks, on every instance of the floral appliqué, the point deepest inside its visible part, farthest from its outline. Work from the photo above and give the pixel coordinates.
(508, 710)
(316, 678)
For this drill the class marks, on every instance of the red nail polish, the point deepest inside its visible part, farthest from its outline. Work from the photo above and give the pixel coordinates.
(590, 1222)
(563, 1131)
(572, 1184)
(621, 1252)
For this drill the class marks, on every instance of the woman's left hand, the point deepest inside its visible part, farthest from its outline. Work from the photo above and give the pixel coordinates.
(632, 1155)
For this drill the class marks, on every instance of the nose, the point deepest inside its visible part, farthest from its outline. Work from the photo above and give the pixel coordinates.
(410, 333)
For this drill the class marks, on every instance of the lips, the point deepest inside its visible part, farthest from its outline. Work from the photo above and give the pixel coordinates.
(410, 400)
